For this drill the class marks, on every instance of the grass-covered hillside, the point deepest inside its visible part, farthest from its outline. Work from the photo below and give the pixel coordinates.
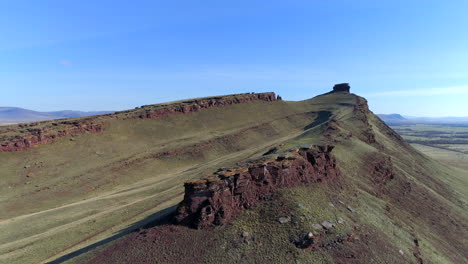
(76, 199)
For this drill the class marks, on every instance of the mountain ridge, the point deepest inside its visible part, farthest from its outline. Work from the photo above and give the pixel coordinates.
(108, 197)
(13, 115)
(396, 119)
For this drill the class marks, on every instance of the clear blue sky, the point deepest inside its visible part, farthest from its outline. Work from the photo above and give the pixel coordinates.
(409, 57)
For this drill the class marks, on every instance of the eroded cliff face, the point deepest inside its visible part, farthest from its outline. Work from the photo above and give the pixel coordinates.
(197, 105)
(24, 136)
(218, 198)
(38, 136)
(361, 112)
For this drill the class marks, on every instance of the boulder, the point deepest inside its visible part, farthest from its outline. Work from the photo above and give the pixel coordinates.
(327, 225)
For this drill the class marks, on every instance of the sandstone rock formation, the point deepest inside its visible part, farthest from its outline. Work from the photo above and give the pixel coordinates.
(153, 112)
(218, 198)
(342, 87)
(37, 136)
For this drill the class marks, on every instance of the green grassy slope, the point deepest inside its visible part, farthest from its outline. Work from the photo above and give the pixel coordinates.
(419, 215)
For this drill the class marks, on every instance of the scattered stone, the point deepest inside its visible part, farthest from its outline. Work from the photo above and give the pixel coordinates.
(341, 202)
(29, 175)
(331, 205)
(27, 166)
(310, 235)
(341, 221)
(284, 220)
(317, 227)
(401, 252)
(301, 206)
(327, 225)
(350, 209)
(245, 234)
(72, 139)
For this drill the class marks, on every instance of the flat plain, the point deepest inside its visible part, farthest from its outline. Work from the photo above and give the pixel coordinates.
(447, 143)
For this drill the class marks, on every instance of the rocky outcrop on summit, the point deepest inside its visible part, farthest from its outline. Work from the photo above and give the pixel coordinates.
(24, 136)
(218, 198)
(341, 87)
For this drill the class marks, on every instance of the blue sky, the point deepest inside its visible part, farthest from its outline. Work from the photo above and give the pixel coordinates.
(409, 57)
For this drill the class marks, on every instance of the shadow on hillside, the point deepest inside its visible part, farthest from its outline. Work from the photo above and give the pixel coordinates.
(323, 116)
(156, 219)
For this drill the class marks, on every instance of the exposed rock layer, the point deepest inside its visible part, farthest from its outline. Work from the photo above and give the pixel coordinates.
(23, 136)
(218, 198)
(199, 104)
(38, 136)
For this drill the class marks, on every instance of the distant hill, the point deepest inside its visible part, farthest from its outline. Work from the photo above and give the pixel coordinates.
(12, 115)
(397, 119)
(445, 120)
(393, 118)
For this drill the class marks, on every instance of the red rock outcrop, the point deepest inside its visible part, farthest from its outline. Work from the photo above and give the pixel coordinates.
(218, 198)
(24, 136)
(47, 134)
(382, 170)
(199, 104)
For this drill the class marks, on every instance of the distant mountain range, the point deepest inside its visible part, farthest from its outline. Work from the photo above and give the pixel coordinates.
(13, 115)
(397, 119)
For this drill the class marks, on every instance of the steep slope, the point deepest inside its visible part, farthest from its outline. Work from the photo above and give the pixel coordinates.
(391, 205)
